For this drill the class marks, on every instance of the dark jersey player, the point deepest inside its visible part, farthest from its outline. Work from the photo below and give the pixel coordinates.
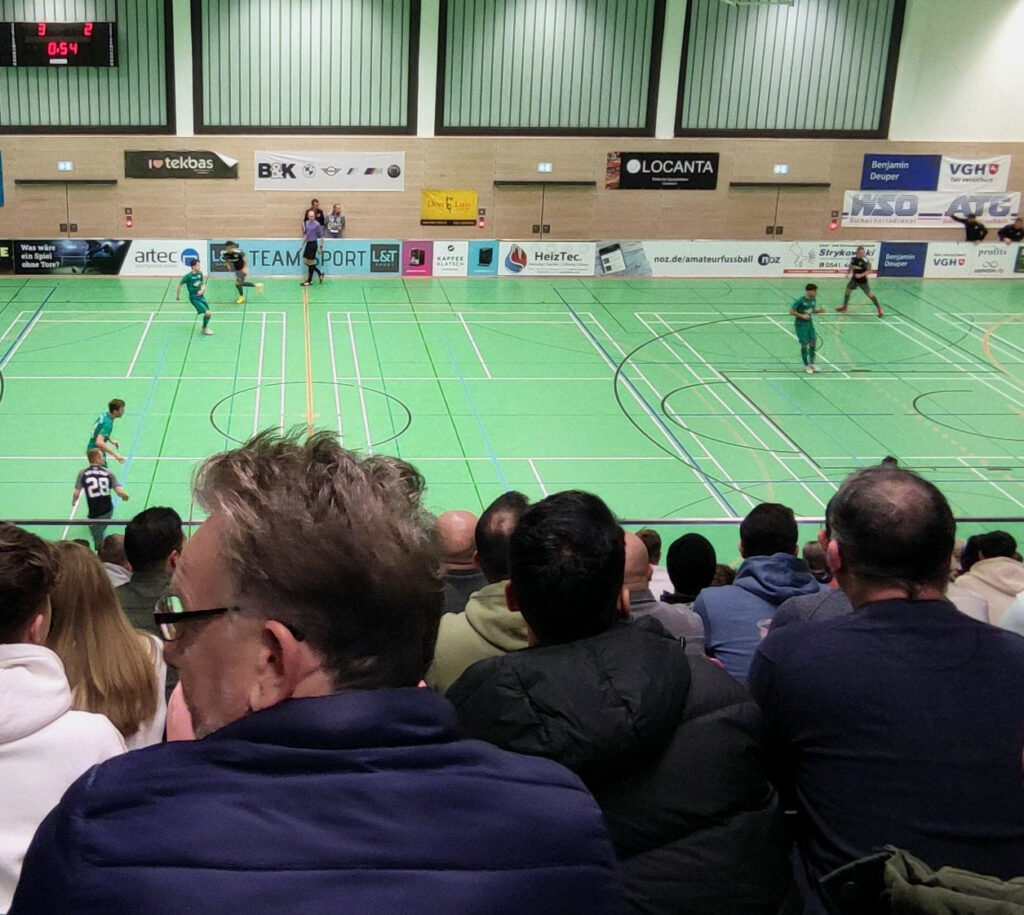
(974, 231)
(234, 258)
(1012, 231)
(860, 270)
(98, 483)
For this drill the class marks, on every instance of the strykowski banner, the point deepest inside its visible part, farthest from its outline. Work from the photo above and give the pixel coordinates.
(983, 174)
(926, 209)
(178, 163)
(330, 171)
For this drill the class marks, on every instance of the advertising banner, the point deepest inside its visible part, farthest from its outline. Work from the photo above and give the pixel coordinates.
(982, 174)
(926, 209)
(661, 171)
(964, 260)
(70, 255)
(691, 258)
(178, 163)
(451, 258)
(883, 172)
(1018, 266)
(162, 256)
(1, 179)
(483, 258)
(329, 171)
(6, 256)
(902, 258)
(342, 257)
(417, 258)
(545, 258)
(805, 258)
(448, 208)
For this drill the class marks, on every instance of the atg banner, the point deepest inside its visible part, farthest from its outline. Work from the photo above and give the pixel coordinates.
(179, 163)
(546, 258)
(884, 172)
(926, 209)
(661, 171)
(448, 208)
(982, 174)
(329, 171)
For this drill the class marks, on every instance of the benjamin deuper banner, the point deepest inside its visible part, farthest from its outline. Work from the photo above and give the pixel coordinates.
(448, 208)
(329, 171)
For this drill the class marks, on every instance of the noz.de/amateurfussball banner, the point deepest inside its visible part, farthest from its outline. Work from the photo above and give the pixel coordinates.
(330, 171)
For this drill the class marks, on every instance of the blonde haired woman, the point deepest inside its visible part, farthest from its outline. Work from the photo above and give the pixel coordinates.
(113, 669)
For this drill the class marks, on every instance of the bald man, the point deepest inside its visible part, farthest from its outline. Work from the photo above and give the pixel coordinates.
(462, 576)
(678, 619)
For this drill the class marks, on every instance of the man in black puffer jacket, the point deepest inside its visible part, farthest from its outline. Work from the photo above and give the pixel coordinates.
(671, 746)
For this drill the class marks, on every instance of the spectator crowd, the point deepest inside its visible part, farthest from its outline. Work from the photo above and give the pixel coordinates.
(521, 712)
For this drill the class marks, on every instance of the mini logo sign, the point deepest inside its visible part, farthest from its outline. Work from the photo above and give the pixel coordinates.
(188, 163)
(663, 171)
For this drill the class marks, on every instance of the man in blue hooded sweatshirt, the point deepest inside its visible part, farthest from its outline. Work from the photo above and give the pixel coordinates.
(771, 572)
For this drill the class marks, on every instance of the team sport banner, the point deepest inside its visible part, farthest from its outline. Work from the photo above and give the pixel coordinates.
(448, 208)
(178, 163)
(926, 209)
(884, 172)
(661, 171)
(162, 256)
(981, 174)
(70, 255)
(545, 258)
(330, 171)
(6, 255)
(341, 257)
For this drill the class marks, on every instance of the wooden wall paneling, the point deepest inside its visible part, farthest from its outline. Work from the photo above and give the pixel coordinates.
(94, 209)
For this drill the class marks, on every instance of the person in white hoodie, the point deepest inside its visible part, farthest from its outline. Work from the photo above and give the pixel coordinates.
(44, 745)
(997, 575)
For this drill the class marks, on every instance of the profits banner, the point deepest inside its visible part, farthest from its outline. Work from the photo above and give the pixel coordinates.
(926, 209)
(448, 208)
(329, 171)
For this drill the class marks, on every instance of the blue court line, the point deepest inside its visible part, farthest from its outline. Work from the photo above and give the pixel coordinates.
(25, 329)
(708, 480)
(479, 421)
(145, 413)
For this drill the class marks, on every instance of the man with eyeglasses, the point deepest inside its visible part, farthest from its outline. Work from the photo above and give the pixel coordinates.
(324, 779)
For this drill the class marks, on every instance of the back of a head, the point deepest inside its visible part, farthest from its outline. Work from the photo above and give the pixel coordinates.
(151, 536)
(691, 563)
(814, 556)
(769, 528)
(27, 571)
(893, 527)
(566, 560)
(996, 543)
(493, 531)
(457, 530)
(652, 540)
(337, 545)
(112, 550)
(106, 663)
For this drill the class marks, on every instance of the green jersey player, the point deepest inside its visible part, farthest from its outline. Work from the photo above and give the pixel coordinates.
(195, 282)
(802, 310)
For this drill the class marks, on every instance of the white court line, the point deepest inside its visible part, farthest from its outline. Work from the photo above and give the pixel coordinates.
(359, 386)
(12, 325)
(998, 488)
(138, 349)
(334, 375)
(71, 517)
(121, 378)
(979, 331)
(28, 332)
(259, 376)
(540, 482)
(476, 349)
(714, 393)
(827, 361)
(631, 387)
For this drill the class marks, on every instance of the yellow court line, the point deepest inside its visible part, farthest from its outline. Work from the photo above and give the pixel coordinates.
(309, 363)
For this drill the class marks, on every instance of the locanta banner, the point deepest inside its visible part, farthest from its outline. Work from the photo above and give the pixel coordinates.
(661, 171)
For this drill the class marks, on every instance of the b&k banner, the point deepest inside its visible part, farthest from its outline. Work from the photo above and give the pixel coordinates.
(661, 171)
(327, 171)
(178, 163)
(927, 209)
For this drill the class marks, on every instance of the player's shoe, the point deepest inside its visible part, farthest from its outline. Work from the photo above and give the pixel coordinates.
(240, 300)
(881, 313)
(843, 308)
(321, 279)
(259, 288)
(206, 332)
(814, 368)
(809, 369)
(305, 283)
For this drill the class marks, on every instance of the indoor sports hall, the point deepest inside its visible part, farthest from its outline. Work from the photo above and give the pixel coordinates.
(528, 306)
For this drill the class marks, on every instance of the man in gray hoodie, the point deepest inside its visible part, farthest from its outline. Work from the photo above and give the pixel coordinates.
(771, 572)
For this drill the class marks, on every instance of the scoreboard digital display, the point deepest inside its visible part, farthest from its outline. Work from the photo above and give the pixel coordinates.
(58, 44)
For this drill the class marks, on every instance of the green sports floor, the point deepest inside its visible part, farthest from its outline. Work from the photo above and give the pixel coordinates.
(669, 398)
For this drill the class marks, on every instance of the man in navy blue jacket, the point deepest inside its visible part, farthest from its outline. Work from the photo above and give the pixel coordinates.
(903, 722)
(324, 780)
